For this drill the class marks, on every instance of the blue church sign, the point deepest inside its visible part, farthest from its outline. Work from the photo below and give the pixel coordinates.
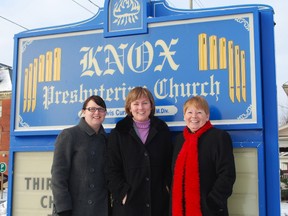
(216, 57)
(224, 54)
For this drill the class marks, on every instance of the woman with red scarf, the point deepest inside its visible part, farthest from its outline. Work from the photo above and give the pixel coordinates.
(203, 165)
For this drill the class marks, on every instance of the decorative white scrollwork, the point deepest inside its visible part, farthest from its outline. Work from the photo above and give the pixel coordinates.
(22, 123)
(245, 23)
(126, 11)
(25, 44)
(247, 114)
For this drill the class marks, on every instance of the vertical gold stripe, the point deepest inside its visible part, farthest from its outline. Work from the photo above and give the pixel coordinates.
(26, 73)
(202, 51)
(223, 53)
(34, 88)
(237, 72)
(48, 72)
(29, 96)
(57, 64)
(41, 68)
(231, 70)
(213, 52)
(243, 75)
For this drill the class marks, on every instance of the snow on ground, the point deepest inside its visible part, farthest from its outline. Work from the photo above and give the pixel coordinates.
(3, 203)
(284, 208)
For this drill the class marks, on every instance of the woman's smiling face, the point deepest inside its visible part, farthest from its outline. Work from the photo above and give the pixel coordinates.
(141, 109)
(195, 118)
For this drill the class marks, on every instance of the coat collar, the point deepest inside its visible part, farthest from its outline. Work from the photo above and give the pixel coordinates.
(126, 126)
(85, 127)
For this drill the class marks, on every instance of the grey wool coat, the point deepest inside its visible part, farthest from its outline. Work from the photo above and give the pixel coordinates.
(78, 179)
(142, 171)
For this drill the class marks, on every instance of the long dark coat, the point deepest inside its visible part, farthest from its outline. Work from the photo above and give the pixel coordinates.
(216, 169)
(139, 170)
(78, 178)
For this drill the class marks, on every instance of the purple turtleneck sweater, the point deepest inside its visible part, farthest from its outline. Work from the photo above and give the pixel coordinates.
(142, 129)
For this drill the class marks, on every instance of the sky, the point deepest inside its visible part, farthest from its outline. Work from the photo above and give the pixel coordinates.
(18, 15)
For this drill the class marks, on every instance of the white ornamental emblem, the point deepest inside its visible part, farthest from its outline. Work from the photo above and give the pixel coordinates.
(126, 11)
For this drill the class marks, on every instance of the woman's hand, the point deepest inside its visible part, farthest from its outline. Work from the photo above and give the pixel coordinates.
(124, 200)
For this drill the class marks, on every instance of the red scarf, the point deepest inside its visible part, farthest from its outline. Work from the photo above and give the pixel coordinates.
(186, 180)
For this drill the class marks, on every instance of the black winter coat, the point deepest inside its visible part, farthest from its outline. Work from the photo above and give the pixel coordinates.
(216, 169)
(78, 174)
(139, 170)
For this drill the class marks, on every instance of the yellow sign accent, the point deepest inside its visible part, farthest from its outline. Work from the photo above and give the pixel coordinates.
(36, 73)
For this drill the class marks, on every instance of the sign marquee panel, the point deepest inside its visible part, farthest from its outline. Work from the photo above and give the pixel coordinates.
(212, 57)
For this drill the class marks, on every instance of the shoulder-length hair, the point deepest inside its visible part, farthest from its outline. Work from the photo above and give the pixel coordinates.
(137, 93)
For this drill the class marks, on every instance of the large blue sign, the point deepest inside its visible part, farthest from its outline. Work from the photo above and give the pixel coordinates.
(213, 57)
(223, 54)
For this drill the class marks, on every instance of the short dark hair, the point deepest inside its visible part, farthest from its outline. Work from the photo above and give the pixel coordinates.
(97, 99)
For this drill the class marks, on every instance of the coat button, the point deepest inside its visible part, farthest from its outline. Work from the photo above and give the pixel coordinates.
(91, 186)
(92, 170)
(145, 154)
(147, 178)
(90, 202)
(147, 205)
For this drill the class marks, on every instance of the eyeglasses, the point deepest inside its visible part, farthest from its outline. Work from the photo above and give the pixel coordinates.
(94, 109)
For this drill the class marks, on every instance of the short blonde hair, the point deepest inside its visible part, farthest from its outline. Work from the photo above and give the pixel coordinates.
(198, 102)
(137, 93)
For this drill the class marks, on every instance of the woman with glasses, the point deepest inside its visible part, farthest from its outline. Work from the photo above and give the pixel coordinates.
(139, 158)
(78, 180)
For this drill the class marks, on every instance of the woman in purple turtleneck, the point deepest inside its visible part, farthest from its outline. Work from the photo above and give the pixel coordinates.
(139, 158)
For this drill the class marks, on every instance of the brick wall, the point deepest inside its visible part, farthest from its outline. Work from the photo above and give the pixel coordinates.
(5, 131)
